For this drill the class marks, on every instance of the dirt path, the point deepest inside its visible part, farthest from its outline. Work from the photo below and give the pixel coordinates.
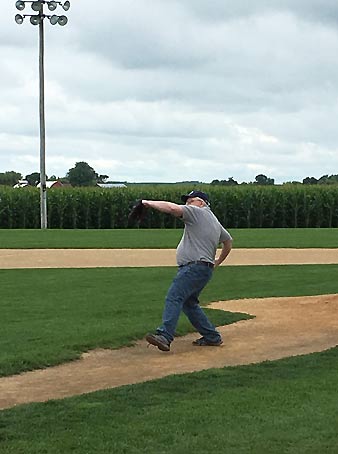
(282, 327)
(89, 258)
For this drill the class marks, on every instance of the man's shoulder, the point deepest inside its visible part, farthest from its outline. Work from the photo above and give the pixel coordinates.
(195, 210)
(193, 213)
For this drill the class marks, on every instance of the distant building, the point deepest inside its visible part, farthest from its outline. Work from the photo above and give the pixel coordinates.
(52, 184)
(111, 185)
(21, 184)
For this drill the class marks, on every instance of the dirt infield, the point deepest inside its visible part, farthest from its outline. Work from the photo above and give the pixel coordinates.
(92, 258)
(282, 327)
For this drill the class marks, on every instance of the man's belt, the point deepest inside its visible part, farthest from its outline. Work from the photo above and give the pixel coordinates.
(199, 262)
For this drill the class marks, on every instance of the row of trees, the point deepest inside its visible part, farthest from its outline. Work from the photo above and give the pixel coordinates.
(80, 175)
(84, 175)
(9, 178)
(263, 180)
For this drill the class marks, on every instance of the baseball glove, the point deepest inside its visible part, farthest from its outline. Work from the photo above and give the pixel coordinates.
(137, 212)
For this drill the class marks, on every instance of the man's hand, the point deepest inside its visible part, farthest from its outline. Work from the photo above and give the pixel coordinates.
(226, 248)
(137, 212)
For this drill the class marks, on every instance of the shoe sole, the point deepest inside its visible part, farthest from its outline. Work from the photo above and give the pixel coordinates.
(160, 345)
(207, 345)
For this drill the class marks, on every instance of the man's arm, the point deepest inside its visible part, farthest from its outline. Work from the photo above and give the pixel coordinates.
(226, 248)
(165, 207)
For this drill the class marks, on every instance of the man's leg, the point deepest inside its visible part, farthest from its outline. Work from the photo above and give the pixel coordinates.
(190, 280)
(200, 321)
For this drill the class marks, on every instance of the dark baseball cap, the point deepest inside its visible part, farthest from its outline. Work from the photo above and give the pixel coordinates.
(201, 195)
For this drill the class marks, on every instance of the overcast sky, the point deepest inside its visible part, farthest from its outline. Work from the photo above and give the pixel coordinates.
(172, 90)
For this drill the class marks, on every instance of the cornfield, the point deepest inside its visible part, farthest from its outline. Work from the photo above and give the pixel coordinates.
(245, 206)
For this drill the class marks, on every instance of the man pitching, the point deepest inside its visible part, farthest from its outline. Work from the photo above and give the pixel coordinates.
(196, 261)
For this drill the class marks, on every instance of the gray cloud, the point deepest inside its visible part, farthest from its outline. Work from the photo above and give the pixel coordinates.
(229, 89)
(224, 10)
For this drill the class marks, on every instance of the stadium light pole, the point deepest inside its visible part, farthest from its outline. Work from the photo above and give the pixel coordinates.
(38, 19)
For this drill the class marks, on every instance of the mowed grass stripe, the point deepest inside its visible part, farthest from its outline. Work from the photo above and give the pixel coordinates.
(162, 238)
(51, 316)
(286, 406)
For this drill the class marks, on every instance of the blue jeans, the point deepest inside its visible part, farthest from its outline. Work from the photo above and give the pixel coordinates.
(183, 296)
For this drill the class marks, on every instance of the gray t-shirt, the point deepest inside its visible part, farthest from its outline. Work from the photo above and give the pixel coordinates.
(202, 235)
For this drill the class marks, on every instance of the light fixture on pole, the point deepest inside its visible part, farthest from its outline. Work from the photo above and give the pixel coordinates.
(18, 19)
(35, 20)
(52, 6)
(36, 6)
(20, 5)
(38, 19)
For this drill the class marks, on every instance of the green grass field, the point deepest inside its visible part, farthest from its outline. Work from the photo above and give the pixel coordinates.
(157, 238)
(287, 406)
(51, 316)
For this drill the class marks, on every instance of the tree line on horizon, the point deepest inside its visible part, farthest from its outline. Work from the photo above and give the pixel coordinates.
(82, 174)
(263, 180)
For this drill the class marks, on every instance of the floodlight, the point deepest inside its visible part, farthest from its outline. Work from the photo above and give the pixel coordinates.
(20, 5)
(37, 6)
(18, 19)
(62, 20)
(35, 20)
(52, 5)
(54, 19)
(66, 5)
